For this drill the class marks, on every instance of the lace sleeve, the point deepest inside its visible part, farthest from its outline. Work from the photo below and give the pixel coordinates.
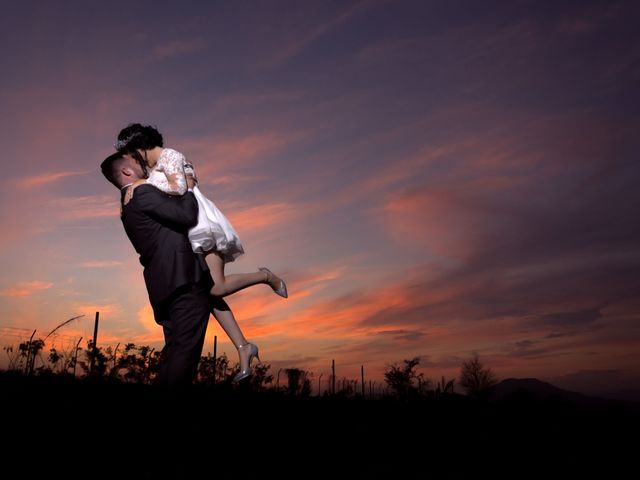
(171, 164)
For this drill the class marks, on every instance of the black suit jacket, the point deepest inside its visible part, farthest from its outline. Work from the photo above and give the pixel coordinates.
(157, 225)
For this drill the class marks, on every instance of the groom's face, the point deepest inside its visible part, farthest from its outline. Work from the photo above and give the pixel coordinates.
(132, 169)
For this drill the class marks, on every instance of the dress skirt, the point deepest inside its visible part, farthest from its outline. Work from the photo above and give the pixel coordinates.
(214, 232)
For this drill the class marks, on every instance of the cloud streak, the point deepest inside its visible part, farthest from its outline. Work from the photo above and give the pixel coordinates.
(297, 44)
(46, 178)
(25, 289)
(177, 48)
(101, 264)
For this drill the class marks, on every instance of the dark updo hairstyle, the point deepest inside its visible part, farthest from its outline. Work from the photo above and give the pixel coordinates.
(136, 137)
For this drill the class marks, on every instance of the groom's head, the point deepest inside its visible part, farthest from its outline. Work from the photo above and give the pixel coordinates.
(121, 169)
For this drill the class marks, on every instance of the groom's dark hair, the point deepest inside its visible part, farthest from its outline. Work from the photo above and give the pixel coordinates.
(111, 168)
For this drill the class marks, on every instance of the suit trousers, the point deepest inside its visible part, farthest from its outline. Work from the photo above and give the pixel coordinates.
(184, 317)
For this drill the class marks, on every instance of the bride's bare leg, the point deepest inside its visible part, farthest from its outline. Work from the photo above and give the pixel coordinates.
(246, 351)
(226, 285)
(227, 321)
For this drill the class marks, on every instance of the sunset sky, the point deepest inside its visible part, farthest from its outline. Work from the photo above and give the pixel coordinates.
(431, 178)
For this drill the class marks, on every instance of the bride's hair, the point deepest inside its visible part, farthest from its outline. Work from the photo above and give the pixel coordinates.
(138, 137)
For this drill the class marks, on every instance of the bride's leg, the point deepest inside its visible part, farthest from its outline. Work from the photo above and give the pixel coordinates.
(227, 321)
(226, 285)
(246, 350)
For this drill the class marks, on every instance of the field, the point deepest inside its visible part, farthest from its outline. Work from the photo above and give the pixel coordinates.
(62, 427)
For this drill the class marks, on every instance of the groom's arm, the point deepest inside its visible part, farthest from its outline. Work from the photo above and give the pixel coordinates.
(177, 210)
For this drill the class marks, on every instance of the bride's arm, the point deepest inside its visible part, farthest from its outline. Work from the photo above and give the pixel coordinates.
(129, 192)
(173, 168)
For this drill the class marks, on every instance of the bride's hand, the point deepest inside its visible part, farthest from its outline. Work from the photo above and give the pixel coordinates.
(190, 175)
(129, 193)
(191, 180)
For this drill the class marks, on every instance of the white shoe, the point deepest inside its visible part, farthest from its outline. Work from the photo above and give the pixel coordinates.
(280, 288)
(252, 352)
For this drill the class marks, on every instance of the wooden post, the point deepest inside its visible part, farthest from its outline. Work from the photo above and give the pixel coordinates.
(333, 379)
(95, 330)
(362, 377)
(95, 340)
(215, 357)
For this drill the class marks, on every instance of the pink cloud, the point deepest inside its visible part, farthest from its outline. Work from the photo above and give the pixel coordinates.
(264, 216)
(445, 222)
(25, 289)
(46, 178)
(210, 155)
(101, 264)
(86, 207)
(232, 179)
(176, 48)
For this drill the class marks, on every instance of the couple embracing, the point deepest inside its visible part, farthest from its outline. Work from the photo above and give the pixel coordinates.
(184, 242)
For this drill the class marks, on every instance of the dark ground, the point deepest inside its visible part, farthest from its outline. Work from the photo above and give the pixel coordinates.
(56, 427)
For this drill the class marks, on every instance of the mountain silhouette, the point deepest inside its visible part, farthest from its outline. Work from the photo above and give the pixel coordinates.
(537, 390)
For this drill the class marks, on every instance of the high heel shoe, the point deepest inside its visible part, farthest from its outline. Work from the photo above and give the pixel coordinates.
(281, 289)
(253, 352)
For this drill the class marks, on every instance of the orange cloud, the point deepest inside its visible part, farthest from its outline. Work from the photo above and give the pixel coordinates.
(90, 309)
(147, 321)
(25, 289)
(342, 316)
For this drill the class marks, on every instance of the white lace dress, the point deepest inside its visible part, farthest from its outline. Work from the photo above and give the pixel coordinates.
(213, 230)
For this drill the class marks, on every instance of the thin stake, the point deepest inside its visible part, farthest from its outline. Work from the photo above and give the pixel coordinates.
(215, 357)
(333, 380)
(95, 340)
(75, 357)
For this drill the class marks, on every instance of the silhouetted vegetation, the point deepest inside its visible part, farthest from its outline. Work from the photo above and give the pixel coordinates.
(110, 421)
(404, 380)
(476, 379)
(138, 364)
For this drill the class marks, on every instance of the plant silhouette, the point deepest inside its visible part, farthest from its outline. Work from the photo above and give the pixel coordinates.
(401, 379)
(475, 378)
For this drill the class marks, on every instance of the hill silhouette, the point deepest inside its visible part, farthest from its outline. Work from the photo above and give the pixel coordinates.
(513, 388)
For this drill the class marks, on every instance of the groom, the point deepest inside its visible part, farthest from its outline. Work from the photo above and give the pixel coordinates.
(177, 279)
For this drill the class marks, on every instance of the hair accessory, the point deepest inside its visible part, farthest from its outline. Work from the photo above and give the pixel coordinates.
(120, 144)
